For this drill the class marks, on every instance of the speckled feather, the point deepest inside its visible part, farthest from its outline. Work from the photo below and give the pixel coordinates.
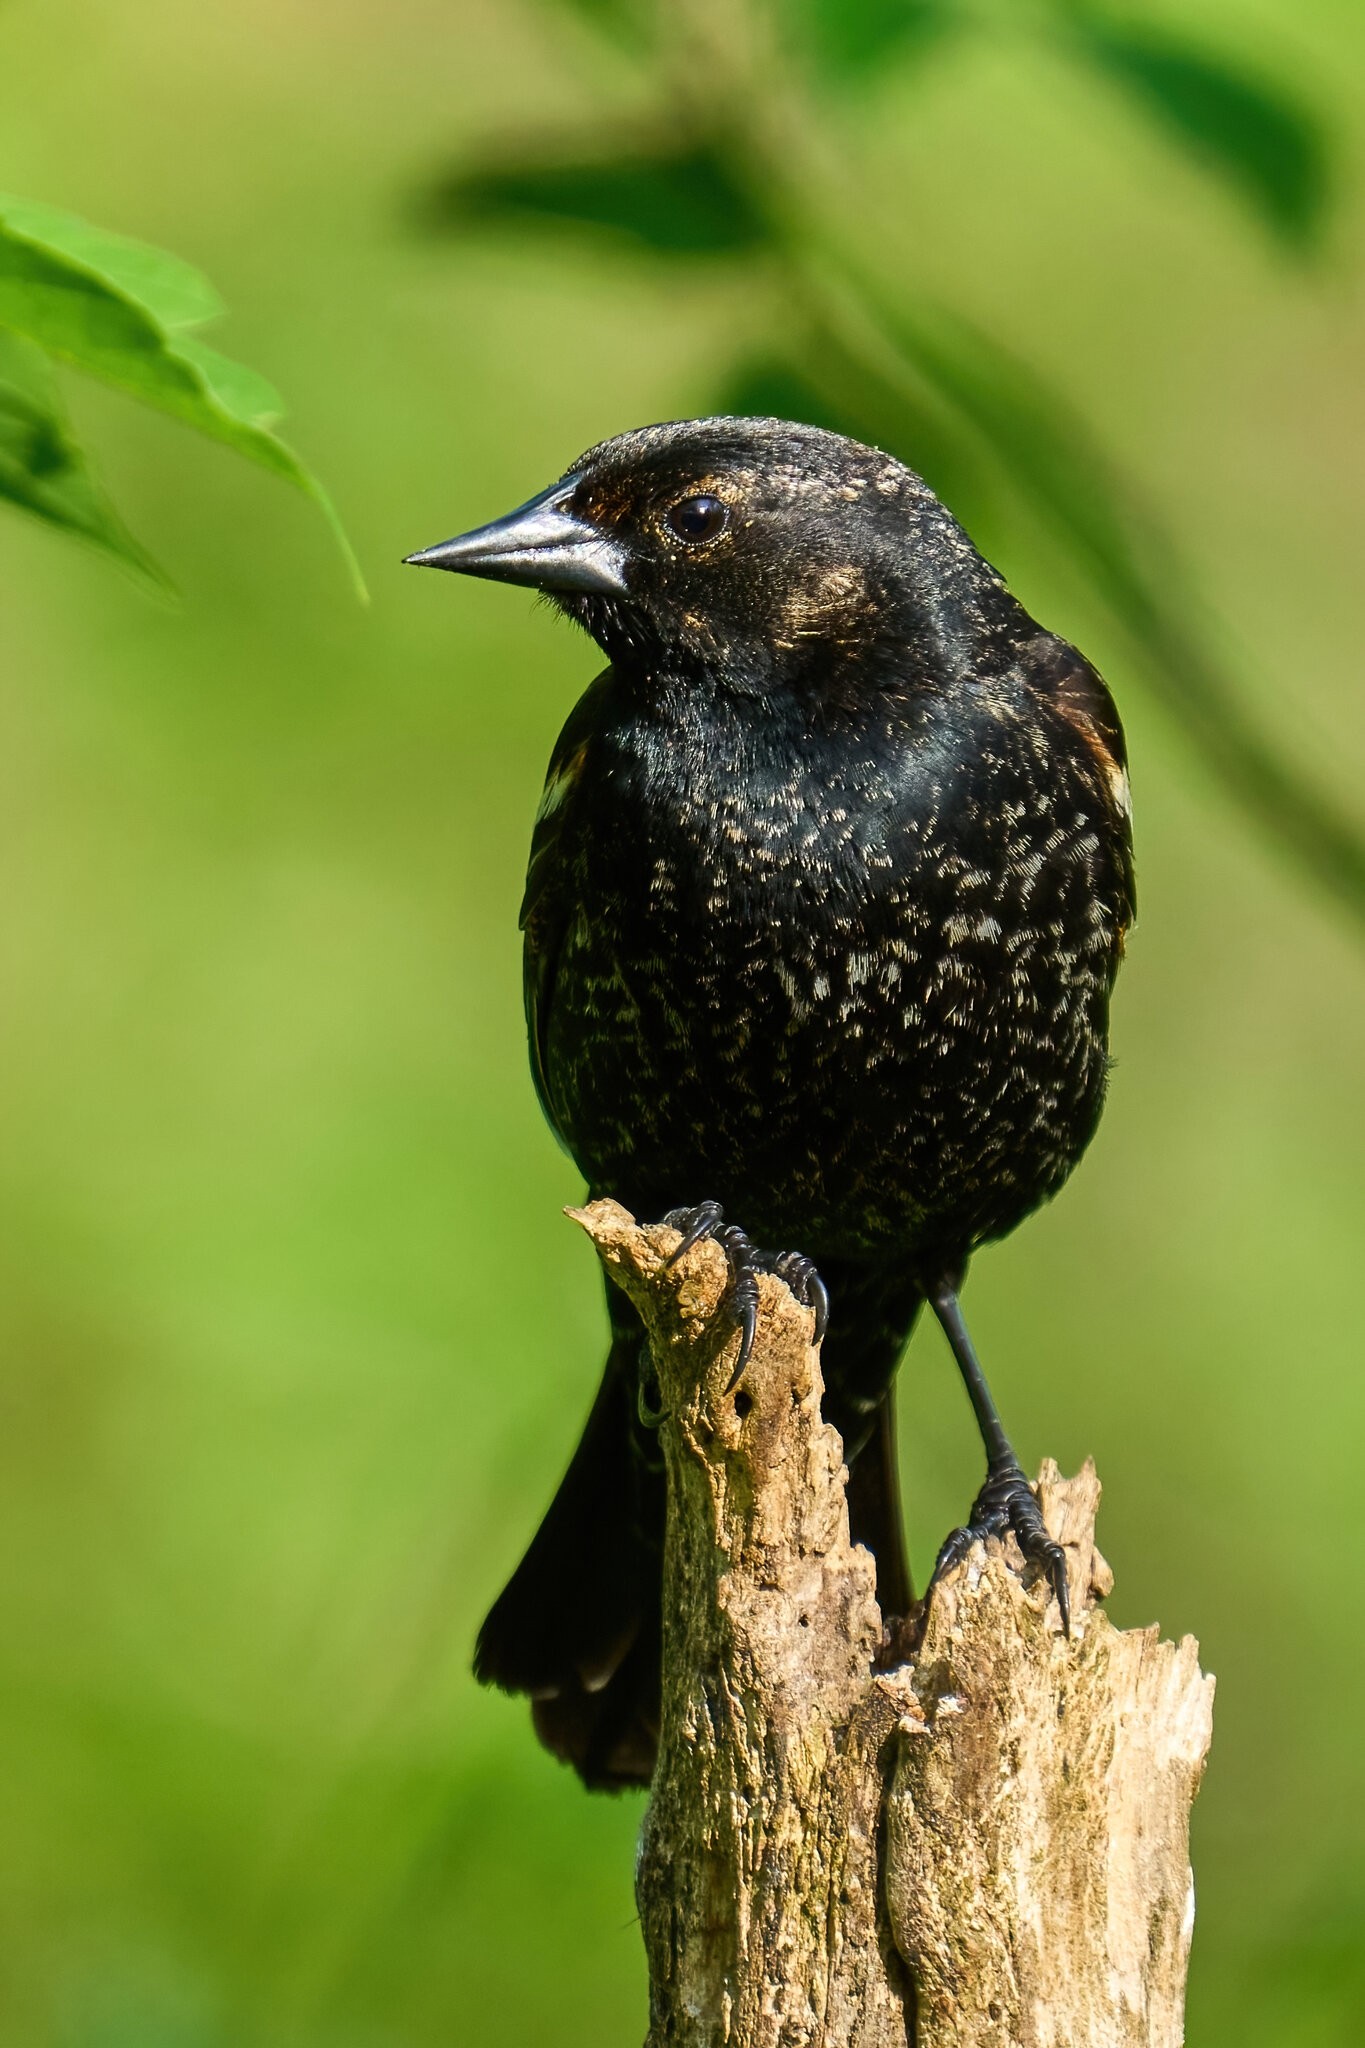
(856, 992)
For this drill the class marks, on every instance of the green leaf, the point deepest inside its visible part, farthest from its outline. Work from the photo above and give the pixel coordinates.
(850, 39)
(237, 389)
(680, 203)
(121, 311)
(1265, 142)
(43, 470)
(171, 290)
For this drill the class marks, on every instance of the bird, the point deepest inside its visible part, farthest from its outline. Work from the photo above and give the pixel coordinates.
(827, 892)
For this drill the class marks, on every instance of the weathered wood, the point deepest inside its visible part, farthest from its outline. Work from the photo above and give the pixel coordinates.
(1038, 1827)
(987, 1846)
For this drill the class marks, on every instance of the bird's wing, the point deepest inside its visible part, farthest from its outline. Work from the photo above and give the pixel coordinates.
(1061, 673)
(547, 905)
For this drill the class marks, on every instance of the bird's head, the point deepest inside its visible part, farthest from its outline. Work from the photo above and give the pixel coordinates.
(755, 549)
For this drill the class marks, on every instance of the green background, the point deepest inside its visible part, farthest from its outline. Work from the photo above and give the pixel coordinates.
(294, 1339)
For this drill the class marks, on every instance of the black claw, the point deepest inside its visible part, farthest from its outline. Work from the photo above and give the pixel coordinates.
(954, 1548)
(748, 1330)
(1006, 1502)
(746, 1262)
(805, 1283)
(695, 1224)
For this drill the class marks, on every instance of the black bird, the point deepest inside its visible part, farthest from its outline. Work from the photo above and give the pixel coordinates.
(827, 892)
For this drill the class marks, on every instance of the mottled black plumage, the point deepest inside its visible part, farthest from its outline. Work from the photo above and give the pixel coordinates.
(826, 897)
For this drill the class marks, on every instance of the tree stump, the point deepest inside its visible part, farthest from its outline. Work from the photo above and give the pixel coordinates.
(987, 1846)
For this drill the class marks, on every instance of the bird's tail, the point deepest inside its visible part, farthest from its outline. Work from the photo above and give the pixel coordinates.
(577, 1626)
(874, 1513)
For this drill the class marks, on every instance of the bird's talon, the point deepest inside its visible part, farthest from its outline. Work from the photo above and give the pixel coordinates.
(748, 1331)
(746, 1262)
(820, 1306)
(805, 1283)
(695, 1224)
(1006, 1502)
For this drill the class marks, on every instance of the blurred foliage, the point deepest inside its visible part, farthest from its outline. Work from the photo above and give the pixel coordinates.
(681, 205)
(125, 313)
(845, 45)
(42, 466)
(1259, 138)
(852, 339)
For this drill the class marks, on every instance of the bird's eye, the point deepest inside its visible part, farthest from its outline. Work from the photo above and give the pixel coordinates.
(698, 519)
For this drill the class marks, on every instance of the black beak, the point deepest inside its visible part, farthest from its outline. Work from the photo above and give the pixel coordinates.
(541, 543)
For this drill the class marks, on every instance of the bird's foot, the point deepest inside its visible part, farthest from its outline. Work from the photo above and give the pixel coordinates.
(746, 1263)
(1007, 1502)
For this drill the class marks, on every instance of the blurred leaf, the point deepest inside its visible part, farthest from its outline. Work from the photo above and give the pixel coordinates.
(767, 388)
(850, 39)
(119, 311)
(1045, 446)
(623, 22)
(1264, 142)
(681, 204)
(41, 467)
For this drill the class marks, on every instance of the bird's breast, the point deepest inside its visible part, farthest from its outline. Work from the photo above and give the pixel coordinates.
(878, 987)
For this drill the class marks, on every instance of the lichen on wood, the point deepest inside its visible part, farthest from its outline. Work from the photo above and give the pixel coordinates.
(987, 1845)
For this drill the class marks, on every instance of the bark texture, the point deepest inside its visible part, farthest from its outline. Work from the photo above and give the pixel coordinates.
(987, 1846)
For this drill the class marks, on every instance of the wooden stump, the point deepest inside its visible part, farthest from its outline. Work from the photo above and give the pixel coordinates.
(988, 1845)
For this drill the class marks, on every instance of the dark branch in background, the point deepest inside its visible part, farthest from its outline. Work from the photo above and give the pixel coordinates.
(846, 349)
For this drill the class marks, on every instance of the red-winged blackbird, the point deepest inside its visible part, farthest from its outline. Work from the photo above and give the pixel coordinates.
(827, 892)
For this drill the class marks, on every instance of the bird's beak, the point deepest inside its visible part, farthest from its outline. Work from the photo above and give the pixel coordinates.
(541, 543)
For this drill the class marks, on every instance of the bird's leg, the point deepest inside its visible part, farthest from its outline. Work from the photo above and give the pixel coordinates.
(746, 1262)
(1006, 1500)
